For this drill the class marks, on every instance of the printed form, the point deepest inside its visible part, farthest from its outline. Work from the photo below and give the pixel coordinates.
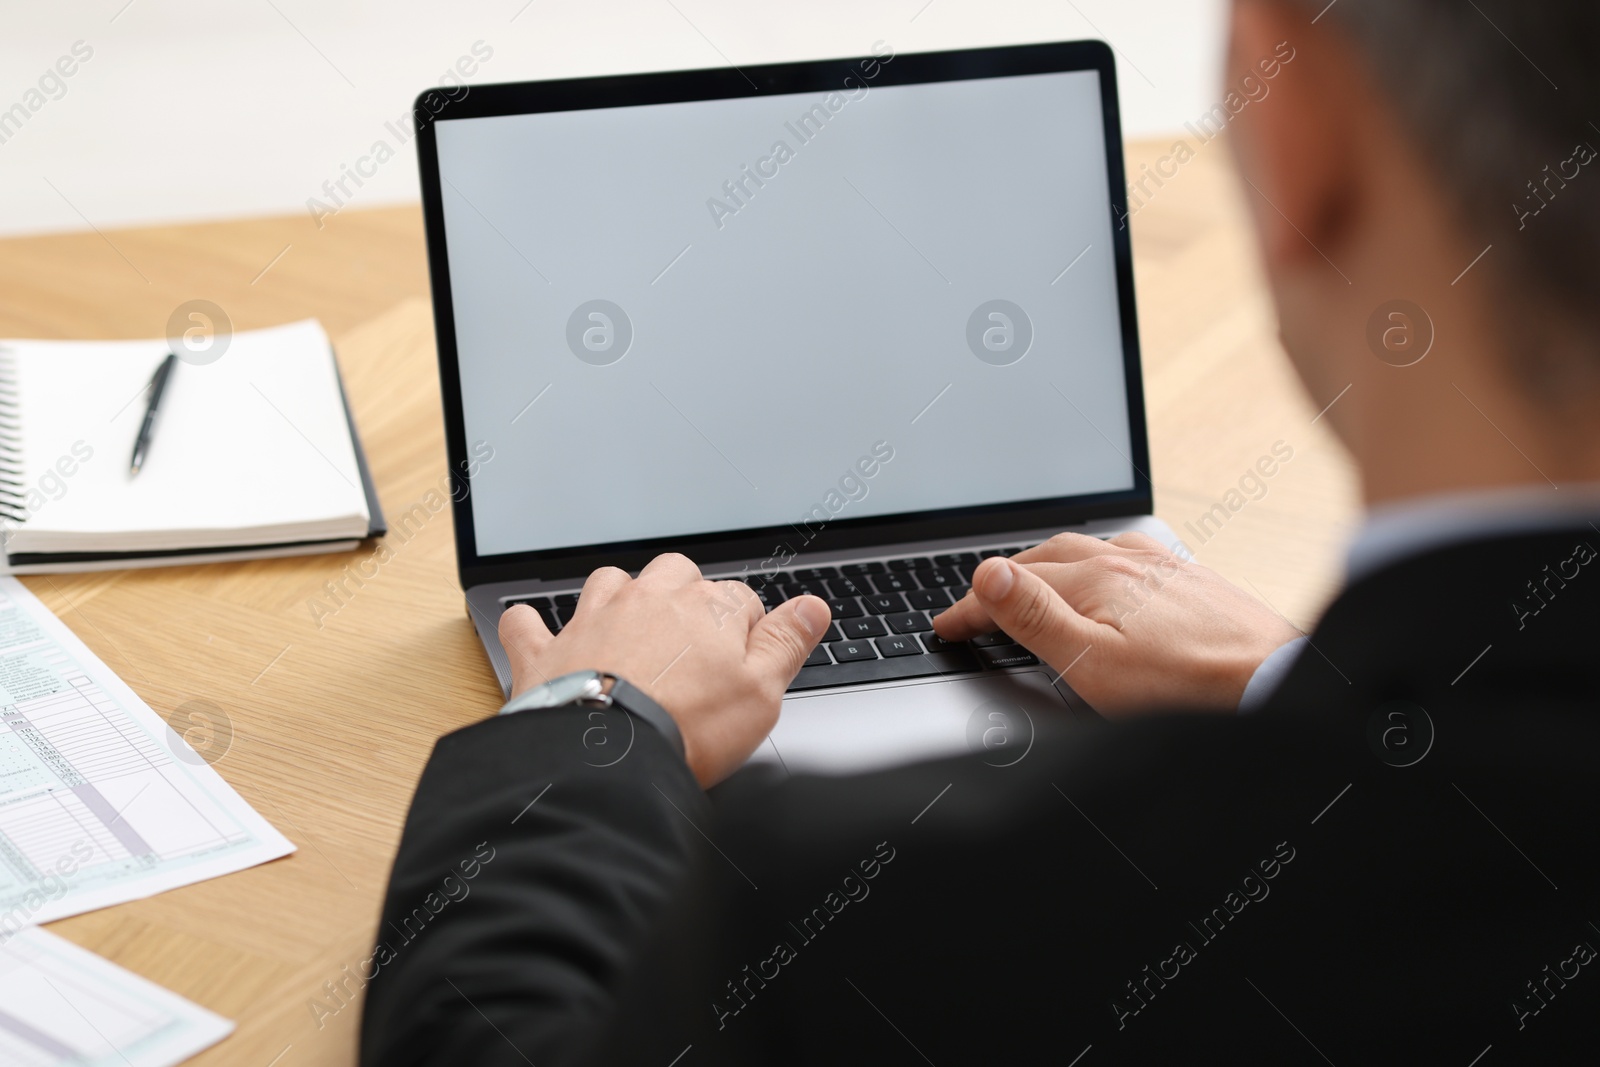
(61, 1005)
(100, 801)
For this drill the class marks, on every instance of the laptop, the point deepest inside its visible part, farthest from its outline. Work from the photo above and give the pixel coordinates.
(842, 327)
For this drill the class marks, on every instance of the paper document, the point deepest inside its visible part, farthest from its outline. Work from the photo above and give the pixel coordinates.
(100, 801)
(60, 1004)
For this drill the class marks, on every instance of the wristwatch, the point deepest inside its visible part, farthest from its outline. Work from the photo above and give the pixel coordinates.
(597, 689)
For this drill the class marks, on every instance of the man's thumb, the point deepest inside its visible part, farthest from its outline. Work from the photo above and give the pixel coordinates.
(1025, 606)
(785, 636)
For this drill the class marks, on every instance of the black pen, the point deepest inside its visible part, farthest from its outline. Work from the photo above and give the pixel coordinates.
(147, 429)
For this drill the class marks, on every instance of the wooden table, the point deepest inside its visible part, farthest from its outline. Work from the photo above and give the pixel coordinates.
(332, 723)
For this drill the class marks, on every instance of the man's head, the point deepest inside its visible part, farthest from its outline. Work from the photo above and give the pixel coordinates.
(1439, 153)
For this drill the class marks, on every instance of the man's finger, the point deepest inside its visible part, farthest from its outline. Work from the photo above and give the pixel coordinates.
(670, 569)
(781, 640)
(969, 617)
(736, 598)
(964, 621)
(1136, 540)
(600, 587)
(1067, 548)
(1025, 606)
(1101, 589)
(523, 633)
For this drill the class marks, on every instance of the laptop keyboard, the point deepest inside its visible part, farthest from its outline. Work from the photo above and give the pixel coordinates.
(882, 626)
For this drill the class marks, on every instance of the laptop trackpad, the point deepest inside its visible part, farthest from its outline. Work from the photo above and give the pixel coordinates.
(855, 730)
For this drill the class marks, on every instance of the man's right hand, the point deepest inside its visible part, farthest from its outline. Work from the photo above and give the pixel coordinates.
(1129, 625)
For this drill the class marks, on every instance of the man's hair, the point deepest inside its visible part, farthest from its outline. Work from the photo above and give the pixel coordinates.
(1502, 98)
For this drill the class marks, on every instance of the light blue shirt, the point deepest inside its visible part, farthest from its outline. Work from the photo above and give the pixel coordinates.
(1393, 532)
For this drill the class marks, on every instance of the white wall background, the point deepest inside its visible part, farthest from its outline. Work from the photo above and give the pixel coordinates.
(195, 109)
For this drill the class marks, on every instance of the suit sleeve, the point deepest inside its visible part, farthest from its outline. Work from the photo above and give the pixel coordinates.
(533, 864)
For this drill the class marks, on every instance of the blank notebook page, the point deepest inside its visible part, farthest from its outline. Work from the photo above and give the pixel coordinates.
(252, 449)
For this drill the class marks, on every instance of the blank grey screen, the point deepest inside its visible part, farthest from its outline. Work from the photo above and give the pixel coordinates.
(788, 282)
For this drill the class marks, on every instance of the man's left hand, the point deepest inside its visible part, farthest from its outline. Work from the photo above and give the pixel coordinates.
(707, 652)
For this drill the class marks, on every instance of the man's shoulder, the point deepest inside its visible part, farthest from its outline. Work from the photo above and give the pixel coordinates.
(1474, 626)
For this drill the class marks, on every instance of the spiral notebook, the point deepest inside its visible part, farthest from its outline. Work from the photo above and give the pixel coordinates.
(255, 454)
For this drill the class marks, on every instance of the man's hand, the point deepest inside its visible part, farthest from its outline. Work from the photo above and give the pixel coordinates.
(1132, 626)
(704, 651)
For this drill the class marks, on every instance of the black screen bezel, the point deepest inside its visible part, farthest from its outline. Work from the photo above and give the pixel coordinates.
(721, 83)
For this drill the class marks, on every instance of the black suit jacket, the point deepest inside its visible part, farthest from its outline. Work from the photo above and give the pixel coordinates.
(1393, 861)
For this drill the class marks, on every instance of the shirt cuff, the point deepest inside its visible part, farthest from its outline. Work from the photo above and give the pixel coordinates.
(1269, 674)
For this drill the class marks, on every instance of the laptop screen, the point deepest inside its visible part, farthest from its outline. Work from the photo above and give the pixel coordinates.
(719, 315)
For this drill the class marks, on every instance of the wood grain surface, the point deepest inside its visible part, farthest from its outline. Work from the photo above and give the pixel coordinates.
(333, 712)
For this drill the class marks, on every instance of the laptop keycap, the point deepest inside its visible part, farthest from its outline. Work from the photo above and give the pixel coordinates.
(815, 574)
(818, 658)
(885, 603)
(833, 634)
(866, 626)
(909, 622)
(857, 586)
(884, 670)
(844, 607)
(1009, 656)
(934, 643)
(900, 645)
(815, 587)
(929, 599)
(852, 651)
(770, 596)
(941, 577)
(894, 582)
(861, 568)
(994, 640)
(956, 560)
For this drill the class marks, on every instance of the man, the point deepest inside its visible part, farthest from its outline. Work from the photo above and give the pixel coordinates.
(1387, 856)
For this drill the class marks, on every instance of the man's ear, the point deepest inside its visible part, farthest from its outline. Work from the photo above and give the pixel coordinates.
(1298, 149)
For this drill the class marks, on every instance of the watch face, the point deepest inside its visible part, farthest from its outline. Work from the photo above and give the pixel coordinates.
(569, 687)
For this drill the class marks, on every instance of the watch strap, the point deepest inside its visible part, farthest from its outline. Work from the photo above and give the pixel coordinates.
(629, 698)
(634, 701)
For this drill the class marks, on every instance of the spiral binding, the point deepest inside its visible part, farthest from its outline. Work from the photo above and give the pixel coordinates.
(13, 487)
